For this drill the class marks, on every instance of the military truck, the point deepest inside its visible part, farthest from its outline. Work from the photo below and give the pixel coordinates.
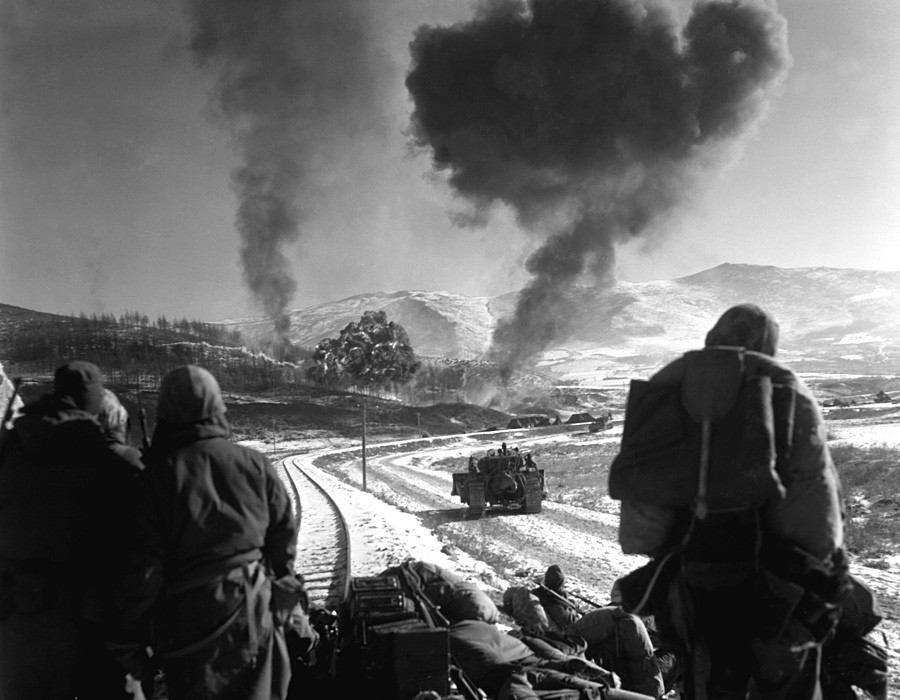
(504, 477)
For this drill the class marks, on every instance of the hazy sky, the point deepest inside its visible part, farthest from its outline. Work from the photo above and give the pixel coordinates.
(116, 187)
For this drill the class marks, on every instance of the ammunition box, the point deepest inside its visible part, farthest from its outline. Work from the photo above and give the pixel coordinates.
(362, 584)
(412, 657)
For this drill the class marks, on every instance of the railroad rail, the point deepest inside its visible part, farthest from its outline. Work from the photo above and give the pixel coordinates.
(323, 539)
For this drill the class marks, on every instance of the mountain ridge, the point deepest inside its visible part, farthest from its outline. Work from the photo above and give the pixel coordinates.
(831, 319)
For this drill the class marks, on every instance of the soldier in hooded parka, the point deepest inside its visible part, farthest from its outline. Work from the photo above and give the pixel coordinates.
(59, 490)
(215, 537)
(116, 425)
(726, 481)
(98, 675)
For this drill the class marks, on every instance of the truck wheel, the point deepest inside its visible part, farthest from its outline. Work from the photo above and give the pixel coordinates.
(476, 499)
(533, 498)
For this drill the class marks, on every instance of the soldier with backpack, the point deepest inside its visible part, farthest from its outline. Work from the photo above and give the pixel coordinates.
(726, 481)
(59, 490)
(209, 581)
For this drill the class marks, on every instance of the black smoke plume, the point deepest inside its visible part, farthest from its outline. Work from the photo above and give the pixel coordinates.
(592, 119)
(295, 79)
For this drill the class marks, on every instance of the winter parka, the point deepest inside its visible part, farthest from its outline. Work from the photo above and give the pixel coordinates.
(61, 488)
(752, 588)
(809, 514)
(214, 527)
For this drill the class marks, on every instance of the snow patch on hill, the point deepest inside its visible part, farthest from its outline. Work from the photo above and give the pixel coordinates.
(832, 319)
(6, 392)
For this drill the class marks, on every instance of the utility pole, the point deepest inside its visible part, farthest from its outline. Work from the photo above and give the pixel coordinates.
(364, 445)
(419, 421)
(274, 441)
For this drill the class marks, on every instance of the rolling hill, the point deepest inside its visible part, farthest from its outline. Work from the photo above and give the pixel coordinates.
(832, 320)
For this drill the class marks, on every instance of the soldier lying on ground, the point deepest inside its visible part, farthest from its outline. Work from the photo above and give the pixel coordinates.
(508, 668)
(611, 637)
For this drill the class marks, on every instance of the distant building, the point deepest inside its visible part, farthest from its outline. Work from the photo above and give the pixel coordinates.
(528, 422)
(580, 418)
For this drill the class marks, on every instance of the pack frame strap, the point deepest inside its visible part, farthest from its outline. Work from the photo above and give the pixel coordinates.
(251, 589)
(213, 573)
(653, 579)
(701, 505)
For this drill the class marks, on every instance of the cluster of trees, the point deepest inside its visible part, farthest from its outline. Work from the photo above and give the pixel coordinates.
(371, 355)
(68, 336)
(370, 352)
(135, 351)
(211, 332)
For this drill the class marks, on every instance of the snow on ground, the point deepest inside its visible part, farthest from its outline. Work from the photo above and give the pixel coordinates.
(390, 533)
(864, 434)
(382, 535)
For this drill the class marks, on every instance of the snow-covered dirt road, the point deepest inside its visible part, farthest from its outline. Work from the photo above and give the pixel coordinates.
(409, 512)
(518, 546)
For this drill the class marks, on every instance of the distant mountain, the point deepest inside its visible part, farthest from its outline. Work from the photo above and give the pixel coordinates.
(831, 319)
(439, 324)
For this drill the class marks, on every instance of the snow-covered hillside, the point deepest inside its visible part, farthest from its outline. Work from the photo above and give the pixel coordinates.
(831, 319)
(6, 392)
(439, 324)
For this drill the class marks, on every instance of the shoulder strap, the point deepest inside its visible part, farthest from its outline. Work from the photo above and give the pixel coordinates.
(711, 385)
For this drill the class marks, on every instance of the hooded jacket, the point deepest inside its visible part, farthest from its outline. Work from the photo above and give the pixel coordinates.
(808, 512)
(53, 485)
(62, 496)
(214, 502)
(746, 581)
(208, 507)
(115, 423)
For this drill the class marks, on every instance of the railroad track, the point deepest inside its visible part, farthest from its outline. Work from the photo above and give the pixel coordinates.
(323, 539)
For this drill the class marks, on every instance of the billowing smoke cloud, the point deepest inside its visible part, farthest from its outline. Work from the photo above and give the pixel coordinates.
(294, 81)
(592, 119)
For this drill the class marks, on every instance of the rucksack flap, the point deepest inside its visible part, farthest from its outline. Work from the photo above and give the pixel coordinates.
(861, 610)
(660, 455)
(712, 382)
(655, 463)
(646, 528)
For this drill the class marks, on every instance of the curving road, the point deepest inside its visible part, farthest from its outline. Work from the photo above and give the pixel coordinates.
(519, 547)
